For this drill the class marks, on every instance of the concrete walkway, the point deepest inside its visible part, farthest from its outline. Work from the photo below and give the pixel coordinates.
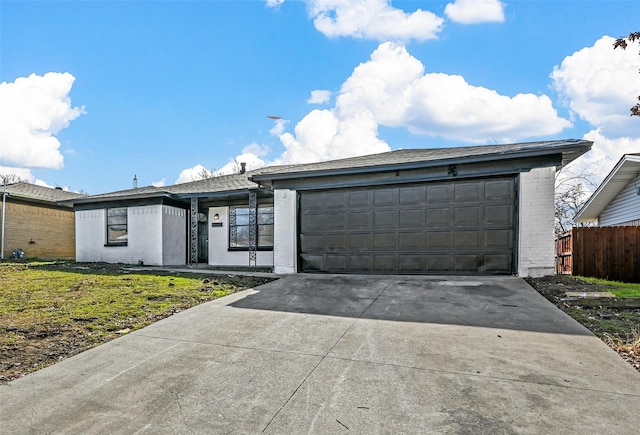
(342, 354)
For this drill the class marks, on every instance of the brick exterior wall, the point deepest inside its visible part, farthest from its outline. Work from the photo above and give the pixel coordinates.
(285, 231)
(536, 238)
(146, 227)
(41, 231)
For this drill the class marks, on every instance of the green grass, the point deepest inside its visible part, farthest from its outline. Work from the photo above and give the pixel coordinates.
(619, 289)
(34, 300)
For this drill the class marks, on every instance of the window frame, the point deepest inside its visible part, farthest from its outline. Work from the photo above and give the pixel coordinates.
(109, 224)
(258, 225)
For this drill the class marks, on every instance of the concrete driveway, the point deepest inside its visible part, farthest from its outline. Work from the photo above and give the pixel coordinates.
(342, 354)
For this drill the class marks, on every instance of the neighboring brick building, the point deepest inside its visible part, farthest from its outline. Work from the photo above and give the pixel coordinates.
(36, 223)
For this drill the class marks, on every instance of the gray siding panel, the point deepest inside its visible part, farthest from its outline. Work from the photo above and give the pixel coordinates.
(465, 226)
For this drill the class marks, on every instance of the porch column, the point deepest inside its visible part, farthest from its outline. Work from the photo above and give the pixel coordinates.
(193, 231)
(253, 228)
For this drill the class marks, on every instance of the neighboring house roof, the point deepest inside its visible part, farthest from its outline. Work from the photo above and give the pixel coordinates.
(627, 168)
(221, 185)
(34, 193)
(414, 158)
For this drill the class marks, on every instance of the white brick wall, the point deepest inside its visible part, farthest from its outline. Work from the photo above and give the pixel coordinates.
(174, 235)
(145, 226)
(536, 239)
(219, 254)
(285, 231)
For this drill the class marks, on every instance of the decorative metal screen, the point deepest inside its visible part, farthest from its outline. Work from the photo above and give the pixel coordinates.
(194, 230)
(253, 234)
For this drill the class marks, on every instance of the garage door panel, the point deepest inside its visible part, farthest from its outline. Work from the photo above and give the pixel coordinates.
(335, 200)
(413, 240)
(311, 263)
(360, 220)
(466, 262)
(495, 263)
(385, 196)
(439, 193)
(411, 263)
(312, 243)
(466, 239)
(501, 214)
(498, 239)
(337, 263)
(469, 191)
(385, 242)
(438, 240)
(360, 263)
(463, 226)
(384, 263)
(385, 219)
(438, 217)
(359, 199)
(360, 242)
(411, 218)
(411, 195)
(498, 189)
(335, 242)
(438, 263)
(464, 216)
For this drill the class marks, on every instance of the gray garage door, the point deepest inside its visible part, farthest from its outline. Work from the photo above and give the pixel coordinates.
(440, 227)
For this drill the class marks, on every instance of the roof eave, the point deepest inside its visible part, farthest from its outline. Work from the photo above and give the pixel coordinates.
(91, 200)
(606, 191)
(569, 152)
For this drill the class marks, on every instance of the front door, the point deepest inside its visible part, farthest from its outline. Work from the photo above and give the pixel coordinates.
(203, 238)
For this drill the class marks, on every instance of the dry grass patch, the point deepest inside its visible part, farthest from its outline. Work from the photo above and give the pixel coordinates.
(628, 349)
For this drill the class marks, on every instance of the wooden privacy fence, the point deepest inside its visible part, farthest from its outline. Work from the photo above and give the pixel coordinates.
(602, 252)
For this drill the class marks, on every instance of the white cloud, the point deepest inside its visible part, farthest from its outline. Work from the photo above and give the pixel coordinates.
(274, 3)
(322, 136)
(23, 173)
(191, 174)
(372, 19)
(251, 161)
(475, 11)
(600, 84)
(32, 111)
(278, 127)
(160, 183)
(256, 149)
(394, 88)
(319, 97)
(604, 154)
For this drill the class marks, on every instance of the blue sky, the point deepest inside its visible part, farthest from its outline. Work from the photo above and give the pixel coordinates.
(95, 92)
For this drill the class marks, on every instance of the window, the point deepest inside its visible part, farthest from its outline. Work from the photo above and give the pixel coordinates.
(239, 228)
(117, 226)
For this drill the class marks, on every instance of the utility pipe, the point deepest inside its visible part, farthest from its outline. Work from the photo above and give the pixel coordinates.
(4, 201)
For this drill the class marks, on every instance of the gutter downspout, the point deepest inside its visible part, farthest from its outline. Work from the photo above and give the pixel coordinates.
(4, 200)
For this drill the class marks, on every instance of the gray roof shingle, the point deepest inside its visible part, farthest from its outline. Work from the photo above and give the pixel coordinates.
(419, 156)
(223, 183)
(34, 192)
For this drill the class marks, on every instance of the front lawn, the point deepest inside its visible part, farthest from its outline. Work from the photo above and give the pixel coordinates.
(49, 312)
